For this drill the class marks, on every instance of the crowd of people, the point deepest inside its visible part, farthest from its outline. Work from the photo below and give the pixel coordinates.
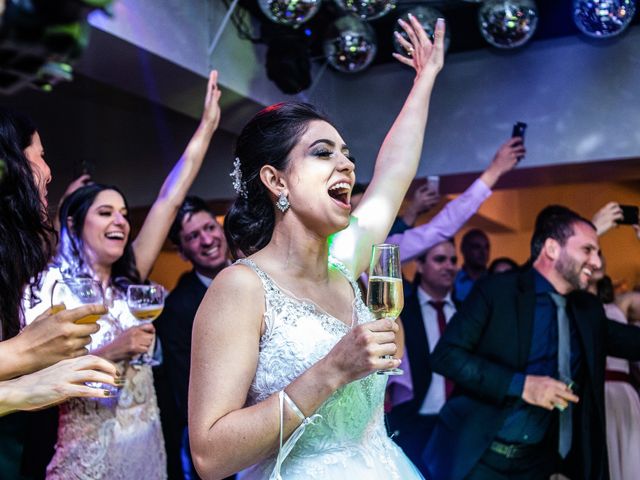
(268, 363)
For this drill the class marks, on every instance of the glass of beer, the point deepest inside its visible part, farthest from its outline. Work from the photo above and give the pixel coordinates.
(145, 303)
(76, 292)
(385, 297)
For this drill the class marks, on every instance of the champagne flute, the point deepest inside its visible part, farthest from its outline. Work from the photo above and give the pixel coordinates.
(146, 303)
(76, 292)
(385, 297)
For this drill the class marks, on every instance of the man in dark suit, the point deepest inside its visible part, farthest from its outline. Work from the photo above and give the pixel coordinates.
(200, 240)
(428, 307)
(529, 372)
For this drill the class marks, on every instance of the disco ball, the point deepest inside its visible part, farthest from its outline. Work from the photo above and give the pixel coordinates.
(508, 23)
(427, 17)
(289, 12)
(603, 18)
(367, 9)
(350, 45)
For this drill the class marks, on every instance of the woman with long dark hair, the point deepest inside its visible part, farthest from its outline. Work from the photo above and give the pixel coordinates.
(40, 367)
(118, 437)
(282, 343)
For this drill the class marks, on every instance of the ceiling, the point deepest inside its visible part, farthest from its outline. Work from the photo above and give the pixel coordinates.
(555, 21)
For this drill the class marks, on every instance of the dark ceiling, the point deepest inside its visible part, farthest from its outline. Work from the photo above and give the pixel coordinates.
(555, 20)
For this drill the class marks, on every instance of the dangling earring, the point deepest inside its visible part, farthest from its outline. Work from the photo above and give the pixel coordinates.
(283, 202)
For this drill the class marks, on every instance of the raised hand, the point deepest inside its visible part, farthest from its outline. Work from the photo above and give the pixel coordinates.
(607, 217)
(422, 55)
(423, 200)
(211, 113)
(57, 383)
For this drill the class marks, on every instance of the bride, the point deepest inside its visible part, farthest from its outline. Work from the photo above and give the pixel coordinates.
(283, 346)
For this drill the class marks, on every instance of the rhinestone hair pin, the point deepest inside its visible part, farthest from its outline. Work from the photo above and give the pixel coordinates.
(239, 185)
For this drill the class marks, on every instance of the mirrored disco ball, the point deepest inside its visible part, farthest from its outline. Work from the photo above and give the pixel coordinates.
(289, 12)
(367, 9)
(427, 17)
(603, 18)
(508, 23)
(350, 45)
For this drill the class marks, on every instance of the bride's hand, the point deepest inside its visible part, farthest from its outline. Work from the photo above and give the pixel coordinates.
(360, 352)
(422, 55)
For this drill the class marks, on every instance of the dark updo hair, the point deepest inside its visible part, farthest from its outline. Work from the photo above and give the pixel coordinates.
(26, 234)
(71, 257)
(267, 139)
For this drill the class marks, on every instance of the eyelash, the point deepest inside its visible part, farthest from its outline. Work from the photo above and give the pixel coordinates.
(328, 153)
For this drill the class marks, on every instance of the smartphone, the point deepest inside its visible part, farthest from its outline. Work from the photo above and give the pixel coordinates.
(433, 183)
(629, 215)
(518, 130)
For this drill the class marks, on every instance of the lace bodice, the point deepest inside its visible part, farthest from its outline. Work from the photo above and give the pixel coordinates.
(117, 438)
(350, 428)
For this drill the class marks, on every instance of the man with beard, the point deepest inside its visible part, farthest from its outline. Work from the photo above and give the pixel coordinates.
(200, 240)
(527, 354)
(427, 309)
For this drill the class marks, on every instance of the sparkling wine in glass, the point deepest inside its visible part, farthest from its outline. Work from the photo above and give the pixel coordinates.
(76, 292)
(146, 303)
(385, 297)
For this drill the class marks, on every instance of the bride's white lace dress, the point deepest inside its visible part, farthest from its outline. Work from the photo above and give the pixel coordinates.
(118, 438)
(348, 439)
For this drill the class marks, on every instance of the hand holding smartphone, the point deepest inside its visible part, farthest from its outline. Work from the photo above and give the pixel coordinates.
(519, 128)
(629, 215)
(433, 184)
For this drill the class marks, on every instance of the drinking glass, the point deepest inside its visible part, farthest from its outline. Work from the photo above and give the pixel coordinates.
(145, 303)
(385, 297)
(76, 292)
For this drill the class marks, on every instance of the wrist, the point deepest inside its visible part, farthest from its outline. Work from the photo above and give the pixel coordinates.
(490, 176)
(19, 360)
(330, 376)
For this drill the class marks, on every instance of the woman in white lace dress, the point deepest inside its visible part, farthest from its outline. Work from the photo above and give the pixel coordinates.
(283, 346)
(118, 437)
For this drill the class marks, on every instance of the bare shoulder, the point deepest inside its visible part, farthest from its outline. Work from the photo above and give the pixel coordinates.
(236, 293)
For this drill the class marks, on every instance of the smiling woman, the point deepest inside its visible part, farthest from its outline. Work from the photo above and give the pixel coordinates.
(290, 316)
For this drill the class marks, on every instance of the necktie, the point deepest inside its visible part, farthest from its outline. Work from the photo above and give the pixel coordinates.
(438, 306)
(564, 370)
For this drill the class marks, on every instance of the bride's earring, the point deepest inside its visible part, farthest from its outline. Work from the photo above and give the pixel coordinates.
(283, 202)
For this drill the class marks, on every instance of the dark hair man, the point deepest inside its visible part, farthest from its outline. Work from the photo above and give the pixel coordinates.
(527, 353)
(428, 307)
(200, 240)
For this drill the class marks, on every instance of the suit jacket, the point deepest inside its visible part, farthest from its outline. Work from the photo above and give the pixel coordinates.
(487, 342)
(174, 327)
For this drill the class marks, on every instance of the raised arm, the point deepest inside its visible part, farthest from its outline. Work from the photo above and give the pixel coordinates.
(156, 226)
(226, 435)
(399, 155)
(415, 241)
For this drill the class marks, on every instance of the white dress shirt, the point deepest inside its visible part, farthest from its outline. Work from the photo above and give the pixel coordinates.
(436, 396)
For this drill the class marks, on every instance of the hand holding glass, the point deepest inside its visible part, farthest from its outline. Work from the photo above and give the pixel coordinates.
(146, 303)
(385, 297)
(77, 292)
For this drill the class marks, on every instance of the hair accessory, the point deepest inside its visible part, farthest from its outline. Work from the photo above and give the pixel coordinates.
(283, 202)
(239, 185)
